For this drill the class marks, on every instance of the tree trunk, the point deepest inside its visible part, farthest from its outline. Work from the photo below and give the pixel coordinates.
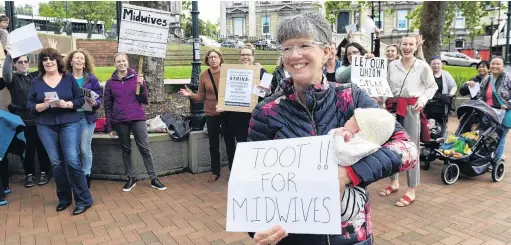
(152, 68)
(89, 29)
(432, 21)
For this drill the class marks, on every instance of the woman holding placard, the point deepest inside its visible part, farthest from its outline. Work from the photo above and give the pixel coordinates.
(308, 106)
(496, 92)
(208, 93)
(125, 114)
(54, 97)
(413, 84)
(80, 64)
(237, 122)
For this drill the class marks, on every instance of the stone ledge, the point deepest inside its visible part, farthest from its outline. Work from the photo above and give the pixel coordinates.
(169, 157)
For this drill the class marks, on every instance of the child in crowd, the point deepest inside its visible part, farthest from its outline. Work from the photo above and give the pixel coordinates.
(4, 24)
(434, 129)
(362, 135)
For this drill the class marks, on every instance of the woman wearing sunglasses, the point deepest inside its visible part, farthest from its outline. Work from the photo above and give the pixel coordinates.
(18, 82)
(54, 98)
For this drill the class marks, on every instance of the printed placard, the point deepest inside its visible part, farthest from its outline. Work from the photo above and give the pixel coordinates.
(293, 183)
(236, 86)
(371, 76)
(144, 31)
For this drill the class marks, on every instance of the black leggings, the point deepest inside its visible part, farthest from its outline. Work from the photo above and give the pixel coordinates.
(214, 130)
(4, 176)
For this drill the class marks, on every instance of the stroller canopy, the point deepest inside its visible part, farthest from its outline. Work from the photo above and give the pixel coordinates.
(480, 106)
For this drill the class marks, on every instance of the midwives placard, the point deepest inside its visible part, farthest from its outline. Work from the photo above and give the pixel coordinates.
(293, 183)
(371, 76)
(144, 31)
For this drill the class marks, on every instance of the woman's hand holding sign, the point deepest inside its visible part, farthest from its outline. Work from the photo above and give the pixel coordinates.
(270, 236)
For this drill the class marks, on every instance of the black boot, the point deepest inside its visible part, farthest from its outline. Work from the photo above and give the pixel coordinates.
(88, 180)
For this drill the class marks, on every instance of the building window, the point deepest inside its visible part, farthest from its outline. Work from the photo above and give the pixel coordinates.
(459, 22)
(237, 3)
(379, 24)
(265, 23)
(402, 21)
(459, 44)
(343, 19)
(238, 26)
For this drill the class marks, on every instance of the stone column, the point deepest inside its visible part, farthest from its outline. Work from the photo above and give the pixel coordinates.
(252, 19)
(223, 24)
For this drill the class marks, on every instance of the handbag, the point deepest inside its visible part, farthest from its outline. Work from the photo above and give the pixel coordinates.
(391, 103)
(222, 115)
(506, 121)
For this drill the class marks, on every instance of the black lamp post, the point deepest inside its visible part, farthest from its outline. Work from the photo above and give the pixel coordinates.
(118, 8)
(491, 38)
(508, 61)
(196, 109)
(372, 34)
(9, 12)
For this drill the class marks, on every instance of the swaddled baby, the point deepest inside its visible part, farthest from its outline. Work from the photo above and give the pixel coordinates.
(362, 135)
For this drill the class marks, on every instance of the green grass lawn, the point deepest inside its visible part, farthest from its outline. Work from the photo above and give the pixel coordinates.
(460, 74)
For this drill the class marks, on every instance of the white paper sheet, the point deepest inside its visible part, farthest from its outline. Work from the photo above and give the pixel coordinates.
(24, 40)
(474, 90)
(266, 80)
(352, 28)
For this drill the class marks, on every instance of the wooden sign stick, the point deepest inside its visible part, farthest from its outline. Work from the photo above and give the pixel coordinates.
(140, 63)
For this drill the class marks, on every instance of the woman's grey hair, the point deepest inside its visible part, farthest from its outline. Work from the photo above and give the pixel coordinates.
(306, 25)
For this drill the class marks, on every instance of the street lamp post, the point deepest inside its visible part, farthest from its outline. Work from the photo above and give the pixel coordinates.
(196, 109)
(491, 37)
(508, 61)
(372, 34)
(9, 12)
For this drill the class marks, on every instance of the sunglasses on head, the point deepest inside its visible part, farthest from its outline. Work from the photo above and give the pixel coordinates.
(436, 57)
(49, 58)
(22, 62)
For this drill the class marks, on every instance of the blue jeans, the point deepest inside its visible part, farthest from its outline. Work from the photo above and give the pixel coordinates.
(85, 145)
(502, 144)
(62, 142)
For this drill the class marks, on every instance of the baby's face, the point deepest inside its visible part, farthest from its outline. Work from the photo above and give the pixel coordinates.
(352, 126)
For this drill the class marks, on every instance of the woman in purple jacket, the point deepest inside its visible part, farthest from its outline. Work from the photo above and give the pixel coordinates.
(80, 64)
(125, 114)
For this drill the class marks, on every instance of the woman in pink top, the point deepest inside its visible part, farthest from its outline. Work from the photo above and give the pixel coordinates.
(496, 92)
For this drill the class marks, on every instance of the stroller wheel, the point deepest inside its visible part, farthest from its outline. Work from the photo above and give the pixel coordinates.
(426, 165)
(498, 171)
(450, 174)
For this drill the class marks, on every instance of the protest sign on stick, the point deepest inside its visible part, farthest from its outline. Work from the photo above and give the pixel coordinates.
(371, 76)
(235, 87)
(293, 183)
(144, 32)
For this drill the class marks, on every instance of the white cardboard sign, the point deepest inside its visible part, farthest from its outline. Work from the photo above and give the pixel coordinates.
(144, 31)
(24, 40)
(371, 76)
(290, 182)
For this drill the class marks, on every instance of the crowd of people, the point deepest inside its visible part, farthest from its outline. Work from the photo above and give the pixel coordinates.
(311, 94)
(60, 129)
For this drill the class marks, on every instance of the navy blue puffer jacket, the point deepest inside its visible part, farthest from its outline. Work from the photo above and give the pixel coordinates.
(328, 106)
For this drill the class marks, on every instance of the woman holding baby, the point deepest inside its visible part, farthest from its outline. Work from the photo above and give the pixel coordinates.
(309, 105)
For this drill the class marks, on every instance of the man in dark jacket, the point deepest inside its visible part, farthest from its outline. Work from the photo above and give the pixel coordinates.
(18, 82)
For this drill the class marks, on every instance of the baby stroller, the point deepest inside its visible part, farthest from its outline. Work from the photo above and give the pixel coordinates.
(437, 109)
(475, 115)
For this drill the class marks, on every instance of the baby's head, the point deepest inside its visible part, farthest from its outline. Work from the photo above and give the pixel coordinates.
(375, 124)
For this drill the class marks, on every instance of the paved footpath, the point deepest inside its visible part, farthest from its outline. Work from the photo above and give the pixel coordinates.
(191, 211)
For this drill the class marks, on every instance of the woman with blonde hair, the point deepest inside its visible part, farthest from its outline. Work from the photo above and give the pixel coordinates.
(125, 114)
(80, 65)
(413, 84)
(208, 93)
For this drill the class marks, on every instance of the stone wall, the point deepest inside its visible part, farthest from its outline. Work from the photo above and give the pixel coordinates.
(103, 51)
